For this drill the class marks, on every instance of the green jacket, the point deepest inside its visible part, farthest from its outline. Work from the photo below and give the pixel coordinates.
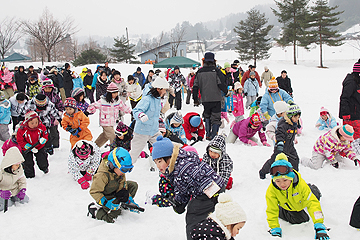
(295, 198)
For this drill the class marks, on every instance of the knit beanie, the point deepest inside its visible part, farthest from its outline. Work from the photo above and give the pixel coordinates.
(195, 121)
(323, 111)
(293, 110)
(76, 92)
(215, 150)
(189, 148)
(255, 120)
(176, 67)
(163, 147)
(273, 84)
(2, 96)
(237, 86)
(160, 82)
(252, 73)
(280, 107)
(177, 118)
(227, 65)
(229, 212)
(41, 101)
(120, 157)
(70, 102)
(347, 132)
(356, 67)
(112, 88)
(282, 160)
(121, 129)
(162, 127)
(30, 115)
(82, 149)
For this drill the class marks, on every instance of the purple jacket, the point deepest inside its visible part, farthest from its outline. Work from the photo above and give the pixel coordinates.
(55, 99)
(244, 132)
(83, 106)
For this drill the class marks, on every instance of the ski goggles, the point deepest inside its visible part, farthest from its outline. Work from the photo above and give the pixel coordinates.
(119, 134)
(273, 89)
(123, 168)
(280, 170)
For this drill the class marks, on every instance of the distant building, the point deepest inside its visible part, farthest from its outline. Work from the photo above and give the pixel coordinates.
(195, 46)
(163, 52)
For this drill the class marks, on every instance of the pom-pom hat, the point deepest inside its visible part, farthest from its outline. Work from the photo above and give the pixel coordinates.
(77, 91)
(293, 110)
(282, 168)
(177, 118)
(160, 82)
(121, 129)
(356, 68)
(347, 132)
(82, 150)
(227, 211)
(112, 88)
(41, 101)
(163, 147)
(70, 102)
(31, 115)
(273, 84)
(255, 120)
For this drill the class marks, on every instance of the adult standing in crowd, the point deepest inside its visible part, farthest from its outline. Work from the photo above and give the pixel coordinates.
(266, 76)
(31, 72)
(247, 75)
(176, 79)
(68, 83)
(138, 74)
(107, 69)
(20, 79)
(285, 82)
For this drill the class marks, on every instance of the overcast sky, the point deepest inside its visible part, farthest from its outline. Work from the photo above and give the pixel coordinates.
(110, 18)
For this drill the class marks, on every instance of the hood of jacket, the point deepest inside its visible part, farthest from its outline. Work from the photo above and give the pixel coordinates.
(12, 156)
(333, 133)
(218, 142)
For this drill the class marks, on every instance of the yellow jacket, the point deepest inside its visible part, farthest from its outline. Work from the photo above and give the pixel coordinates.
(295, 198)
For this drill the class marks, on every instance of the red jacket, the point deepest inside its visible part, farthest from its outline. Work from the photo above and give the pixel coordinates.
(190, 129)
(27, 135)
(247, 75)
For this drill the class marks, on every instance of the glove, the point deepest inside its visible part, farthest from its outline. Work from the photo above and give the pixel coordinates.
(87, 176)
(290, 102)
(252, 143)
(27, 146)
(143, 117)
(200, 138)
(179, 209)
(34, 150)
(5, 194)
(109, 203)
(266, 144)
(245, 94)
(21, 194)
(42, 140)
(257, 94)
(280, 147)
(267, 116)
(320, 230)
(276, 232)
(84, 184)
(131, 201)
(76, 131)
(193, 139)
(335, 165)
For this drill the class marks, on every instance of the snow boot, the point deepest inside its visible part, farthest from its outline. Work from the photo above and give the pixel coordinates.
(92, 210)
(208, 128)
(50, 150)
(262, 175)
(315, 190)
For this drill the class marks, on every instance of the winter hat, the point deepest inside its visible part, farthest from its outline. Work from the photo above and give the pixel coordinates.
(120, 158)
(347, 132)
(237, 86)
(163, 147)
(215, 150)
(282, 160)
(356, 67)
(176, 67)
(47, 83)
(41, 101)
(280, 107)
(252, 73)
(177, 118)
(190, 149)
(112, 88)
(70, 102)
(209, 57)
(323, 111)
(227, 65)
(227, 211)
(236, 62)
(53, 70)
(138, 69)
(121, 129)
(266, 68)
(160, 82)
(192, 71)
(255, 120)
(273, 84)
(82, 149)
(162, 127)
(76, 92)
(30, 115)
(293, 110)
(195, 121)
(2, 96)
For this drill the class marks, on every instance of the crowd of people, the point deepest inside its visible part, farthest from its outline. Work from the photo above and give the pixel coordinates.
(37, 103)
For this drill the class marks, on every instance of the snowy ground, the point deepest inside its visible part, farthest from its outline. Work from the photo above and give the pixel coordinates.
(58, 207)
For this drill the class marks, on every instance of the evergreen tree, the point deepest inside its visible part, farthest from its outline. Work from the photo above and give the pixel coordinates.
(253, 43)
(322, 19)
(90, 56)
(122, 51)
(293, 15)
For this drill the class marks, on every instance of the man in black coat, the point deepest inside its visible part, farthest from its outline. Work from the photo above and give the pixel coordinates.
(67, 79)
(20, 79)
(284, 82)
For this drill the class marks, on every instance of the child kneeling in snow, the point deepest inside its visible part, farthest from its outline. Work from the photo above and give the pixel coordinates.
(329, 147)
(246, 129)
(12, 179)
(110, 188)
(287, 197)
(326, 120)
(223, 224)
(83, 162)
(174, 122)
(219, 160)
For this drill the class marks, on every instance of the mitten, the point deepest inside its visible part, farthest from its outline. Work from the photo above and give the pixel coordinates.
(252, 143)
(266, 144)
(346, 117)
(290, 102)
(356, 161)
(200, 138)
(27, 146)
(122, 195)
(193, 139)
(109, 203)
(229, 183)
(320, 231)
(84, 184)
(131, 201)
(42, 140)
(276, 232)
(245, 94)
(257, 94)
(143, 117)
(87, 176)
(267, 116)
(91, 109)
(5, 194)
(21, 194)
(56, 122)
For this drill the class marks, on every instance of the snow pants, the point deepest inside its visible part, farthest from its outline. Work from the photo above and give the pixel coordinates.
(249, 100)
(9, 92)
(293, 217)
(107, 134)
(62, 94)
(41, 161)
(317, 159)
(54, 137)
(139, 142)
(16, 120)
(232, 138)
(89, 94)
(292, 157)
(177, 100)
(4, 132)
(355, 215)
(12, 201)
(188, 95)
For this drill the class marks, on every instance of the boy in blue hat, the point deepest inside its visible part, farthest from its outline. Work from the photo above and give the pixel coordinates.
(110, 188)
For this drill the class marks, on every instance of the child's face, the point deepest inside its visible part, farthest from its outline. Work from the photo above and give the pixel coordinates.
(103, 77)
(32, 81)
(213, 155)
(324, 117)
(69, 110)
(342, 138)
(163, 134)
(117, 77)
(161, 91)
(15, 167)
(283, 183)
(20, 102)
(235, 228)
(118, 172)
(81, 97)
(239, 90)
(176, 125)
(47, 89)
(114, 95)
(281, 114)
(131, 81)
(295, 118)
(252, 76)
(33, 123)
(120, 137)
(161, 164)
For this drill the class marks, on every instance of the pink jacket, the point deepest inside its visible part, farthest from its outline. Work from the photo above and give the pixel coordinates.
(238, 105)
(244, 132)
(109, 112)
(8, 144)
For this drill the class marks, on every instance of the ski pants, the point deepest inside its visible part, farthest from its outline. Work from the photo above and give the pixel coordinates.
(293, 217)
(317, 159)
(4, 132)
(177, 100)
(212, 111)
(139, 142)
(41, 161)
(90, 94)
(355, 215)
(54, 137)
(107, 134)
(13, 200)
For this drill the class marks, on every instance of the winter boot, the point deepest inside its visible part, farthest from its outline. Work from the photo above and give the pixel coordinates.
(208, 128)
(50, 150)
(214, 130)
(262, 175)
(315, 190)
(92, 210)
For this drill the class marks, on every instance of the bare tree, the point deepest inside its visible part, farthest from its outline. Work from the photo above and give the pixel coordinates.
(9, 34)
(35, 49)
(49, 31)
(177, 35)
(154, 45)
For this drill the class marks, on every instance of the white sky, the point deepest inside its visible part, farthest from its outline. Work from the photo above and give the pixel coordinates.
(110, 18)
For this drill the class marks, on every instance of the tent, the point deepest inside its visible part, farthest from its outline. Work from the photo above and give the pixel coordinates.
(179, 61)
(15, 57)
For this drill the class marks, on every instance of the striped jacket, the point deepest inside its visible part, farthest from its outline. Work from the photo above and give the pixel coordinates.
(329, 145)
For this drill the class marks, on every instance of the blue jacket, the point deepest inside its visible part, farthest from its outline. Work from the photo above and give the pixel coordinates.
(141, 78)
(267, 101)
(151, 107)
(329, 123)
(78, 83)
(5, 112)
(178, 131)
(93, 85)
(251, 87)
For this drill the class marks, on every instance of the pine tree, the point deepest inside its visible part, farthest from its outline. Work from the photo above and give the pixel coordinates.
(253, 43)
(90, 56)
(293, 15)
(322, 19)
(122, 51)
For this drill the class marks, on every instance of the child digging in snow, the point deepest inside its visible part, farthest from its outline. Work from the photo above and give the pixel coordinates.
(12, 179)
(326, 120)
(174, 123)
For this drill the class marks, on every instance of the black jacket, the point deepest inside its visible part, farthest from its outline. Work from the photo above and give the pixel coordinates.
(20, 80)
(88, 80)
(286, 133)
(350, 98)
(285, 84)
(67, 79)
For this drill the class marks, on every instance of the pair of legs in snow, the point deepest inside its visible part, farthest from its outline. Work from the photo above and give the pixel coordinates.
(12, 201)
(316, 161)
(212, 116)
